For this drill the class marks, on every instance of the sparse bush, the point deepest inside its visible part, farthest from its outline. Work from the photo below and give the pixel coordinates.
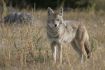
(18, 17)
(94, 44)
(5, 11)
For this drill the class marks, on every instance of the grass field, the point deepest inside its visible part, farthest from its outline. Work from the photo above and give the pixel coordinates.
(26, 47)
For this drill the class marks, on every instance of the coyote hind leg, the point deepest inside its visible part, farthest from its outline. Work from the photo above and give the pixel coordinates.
(88, 49)
(83, 52)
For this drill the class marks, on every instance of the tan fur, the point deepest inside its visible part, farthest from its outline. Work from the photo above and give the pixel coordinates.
(60, 31)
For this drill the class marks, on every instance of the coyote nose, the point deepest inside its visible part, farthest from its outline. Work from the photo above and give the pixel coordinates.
(55, 25)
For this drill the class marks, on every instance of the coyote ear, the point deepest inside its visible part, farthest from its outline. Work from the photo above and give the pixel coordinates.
(61, 11)
(50, 11)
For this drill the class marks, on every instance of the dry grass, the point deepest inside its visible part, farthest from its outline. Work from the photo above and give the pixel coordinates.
(26, 47)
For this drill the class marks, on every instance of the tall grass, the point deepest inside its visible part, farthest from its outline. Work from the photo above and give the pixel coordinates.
(25, 46)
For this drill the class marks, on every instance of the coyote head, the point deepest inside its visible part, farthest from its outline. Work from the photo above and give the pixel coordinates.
(55, 18)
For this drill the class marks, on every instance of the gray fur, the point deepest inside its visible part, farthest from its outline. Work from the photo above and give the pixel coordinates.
(61, 31)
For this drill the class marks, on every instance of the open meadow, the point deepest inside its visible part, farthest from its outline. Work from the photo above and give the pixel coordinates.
(26, 46)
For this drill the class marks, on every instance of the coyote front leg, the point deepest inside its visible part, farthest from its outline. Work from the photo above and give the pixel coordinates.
(60, 52)
(61, 55)
(54, 52)
(57, 52)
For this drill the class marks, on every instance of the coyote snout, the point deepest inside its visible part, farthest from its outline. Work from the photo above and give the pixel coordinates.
(60, 31)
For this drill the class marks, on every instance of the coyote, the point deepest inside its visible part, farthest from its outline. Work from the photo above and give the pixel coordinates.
(60, 31)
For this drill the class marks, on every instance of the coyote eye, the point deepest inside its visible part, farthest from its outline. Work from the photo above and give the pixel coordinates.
(57, 19)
